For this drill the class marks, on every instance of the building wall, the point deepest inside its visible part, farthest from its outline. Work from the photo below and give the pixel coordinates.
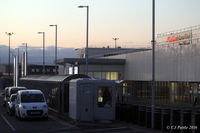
(174, 62)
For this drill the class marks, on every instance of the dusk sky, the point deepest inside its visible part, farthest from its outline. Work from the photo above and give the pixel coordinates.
(129, 20)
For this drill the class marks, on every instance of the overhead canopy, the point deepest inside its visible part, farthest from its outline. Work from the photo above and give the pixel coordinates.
(56, 78)
(91, 61)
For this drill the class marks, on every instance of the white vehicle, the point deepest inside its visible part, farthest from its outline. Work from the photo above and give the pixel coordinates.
(6, 97)
(11, 104)
(31, 103)
(9, 91)
(14, 90)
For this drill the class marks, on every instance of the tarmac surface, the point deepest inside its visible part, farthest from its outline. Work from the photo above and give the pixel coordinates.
(56, 125)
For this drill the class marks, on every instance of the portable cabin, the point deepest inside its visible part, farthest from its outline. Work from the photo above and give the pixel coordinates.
(92, 99)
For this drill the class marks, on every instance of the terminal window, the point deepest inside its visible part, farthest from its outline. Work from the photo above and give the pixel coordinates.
(105, 97)
(104, 75)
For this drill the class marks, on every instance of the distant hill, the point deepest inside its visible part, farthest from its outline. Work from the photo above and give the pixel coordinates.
(35, 54)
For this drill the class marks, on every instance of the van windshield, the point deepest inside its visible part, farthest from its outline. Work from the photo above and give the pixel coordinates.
(32, 98)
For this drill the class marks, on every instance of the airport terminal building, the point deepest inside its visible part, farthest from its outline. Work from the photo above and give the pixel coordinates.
(177, 84)
(177, 68)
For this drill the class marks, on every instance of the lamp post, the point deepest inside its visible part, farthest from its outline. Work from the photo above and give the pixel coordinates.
(9, 34)
(26, 51)
(115, 41)
(25, 45)
(153, 64)
(87, 30)
(17, 53)
(12, 56)
(55, 46)
(43, 33)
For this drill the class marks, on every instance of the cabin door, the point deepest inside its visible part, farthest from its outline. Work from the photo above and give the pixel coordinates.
(86, 103)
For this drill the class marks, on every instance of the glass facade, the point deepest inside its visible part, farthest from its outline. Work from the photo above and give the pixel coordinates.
(104, 75)
(166, 93)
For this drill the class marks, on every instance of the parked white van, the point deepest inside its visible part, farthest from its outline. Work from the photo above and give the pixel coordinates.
(9, 91)
(13, 90)
(31, 103)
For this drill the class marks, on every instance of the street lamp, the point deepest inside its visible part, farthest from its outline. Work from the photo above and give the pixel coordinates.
(87, 30)
(9, 34)
(25, 45)
(26, 52)
(13, 54)
(115, 41)
(43, 33)
(153, 64)
(17, 49)
(17, 53)
(55, 45)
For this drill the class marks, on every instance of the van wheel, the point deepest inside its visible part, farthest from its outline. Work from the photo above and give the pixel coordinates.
(16, 114)
(7, 111)
(10, 112)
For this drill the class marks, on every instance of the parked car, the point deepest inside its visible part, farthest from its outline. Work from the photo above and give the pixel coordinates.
(9, 91)
(5, 98)
(11, 104)
(13, 90)
(31, 103)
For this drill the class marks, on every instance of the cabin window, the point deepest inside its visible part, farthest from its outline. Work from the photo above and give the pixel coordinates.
(105, 97)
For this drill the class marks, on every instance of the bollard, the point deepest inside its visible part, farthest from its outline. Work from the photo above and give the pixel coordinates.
(186, 120)
(117, 114)
(142, 115)
(135, 113)
(165, 120)
(157, 120)
(148, 117)
(176, 120)
(197, 121)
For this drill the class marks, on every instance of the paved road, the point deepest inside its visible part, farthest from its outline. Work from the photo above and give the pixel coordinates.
(11, 124)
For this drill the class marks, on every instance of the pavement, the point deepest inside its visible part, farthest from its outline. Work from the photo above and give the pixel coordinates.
(54, 124)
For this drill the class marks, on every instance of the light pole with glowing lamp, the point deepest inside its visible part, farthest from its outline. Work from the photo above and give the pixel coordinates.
(87, 30)
(9, 34)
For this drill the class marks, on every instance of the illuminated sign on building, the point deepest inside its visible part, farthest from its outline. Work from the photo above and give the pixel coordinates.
(186, 36)
(179, 37)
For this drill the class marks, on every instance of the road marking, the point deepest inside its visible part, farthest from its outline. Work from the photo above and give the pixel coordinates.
(104, 129)
(13, 129)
